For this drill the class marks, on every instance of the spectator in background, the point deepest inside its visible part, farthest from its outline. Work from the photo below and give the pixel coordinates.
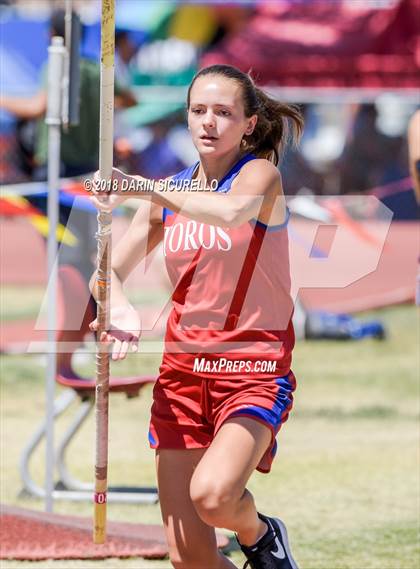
(371, 158)
(125, 49)
(299, 174)
(158, 159)
(79, 148)
(79, 144)
(79, 156)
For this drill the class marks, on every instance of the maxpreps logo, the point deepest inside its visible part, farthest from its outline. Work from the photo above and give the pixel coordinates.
(190, 235)
(202, 365)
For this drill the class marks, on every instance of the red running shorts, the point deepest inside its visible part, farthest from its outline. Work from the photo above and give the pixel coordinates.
(188, 410)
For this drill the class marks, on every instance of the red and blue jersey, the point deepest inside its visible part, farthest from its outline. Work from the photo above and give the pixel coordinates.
(232, 308)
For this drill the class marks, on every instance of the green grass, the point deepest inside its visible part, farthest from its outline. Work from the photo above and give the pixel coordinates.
(346, 478)
(20, 302)
(24, 301)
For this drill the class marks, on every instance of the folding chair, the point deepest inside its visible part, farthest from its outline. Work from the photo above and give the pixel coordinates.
(73, 298)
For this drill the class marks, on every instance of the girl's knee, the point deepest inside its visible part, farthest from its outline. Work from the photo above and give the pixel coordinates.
(213, 498)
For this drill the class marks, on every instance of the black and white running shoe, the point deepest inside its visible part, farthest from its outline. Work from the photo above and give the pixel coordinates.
(272, 551)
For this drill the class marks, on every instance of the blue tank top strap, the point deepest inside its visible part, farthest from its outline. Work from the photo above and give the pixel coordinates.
(226, 182)
(274, 227)
(185, 174)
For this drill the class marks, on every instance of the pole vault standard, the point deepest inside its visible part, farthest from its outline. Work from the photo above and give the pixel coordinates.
(56, 54)
(104, 269)
(62, 109)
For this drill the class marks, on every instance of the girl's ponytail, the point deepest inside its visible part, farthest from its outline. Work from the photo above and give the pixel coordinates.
(277, 125)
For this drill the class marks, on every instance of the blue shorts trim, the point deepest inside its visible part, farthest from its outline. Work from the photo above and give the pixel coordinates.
(273, 418)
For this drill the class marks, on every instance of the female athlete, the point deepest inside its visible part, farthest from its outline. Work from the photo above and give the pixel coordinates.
(225, 385)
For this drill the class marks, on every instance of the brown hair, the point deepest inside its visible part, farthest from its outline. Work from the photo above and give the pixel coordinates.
(277, 122)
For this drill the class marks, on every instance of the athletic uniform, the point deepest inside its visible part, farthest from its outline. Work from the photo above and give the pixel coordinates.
(229, 336)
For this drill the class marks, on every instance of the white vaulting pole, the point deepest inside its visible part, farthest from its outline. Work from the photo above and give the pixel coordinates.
(104, 269)
(56, 54)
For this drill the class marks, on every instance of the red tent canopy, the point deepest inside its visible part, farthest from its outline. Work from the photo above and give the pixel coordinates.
(328, 44)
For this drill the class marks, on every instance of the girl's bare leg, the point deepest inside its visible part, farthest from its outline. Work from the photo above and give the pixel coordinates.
(192, 542)
(218, 483)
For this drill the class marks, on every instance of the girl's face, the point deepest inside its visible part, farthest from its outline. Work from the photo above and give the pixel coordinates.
(216, 115)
